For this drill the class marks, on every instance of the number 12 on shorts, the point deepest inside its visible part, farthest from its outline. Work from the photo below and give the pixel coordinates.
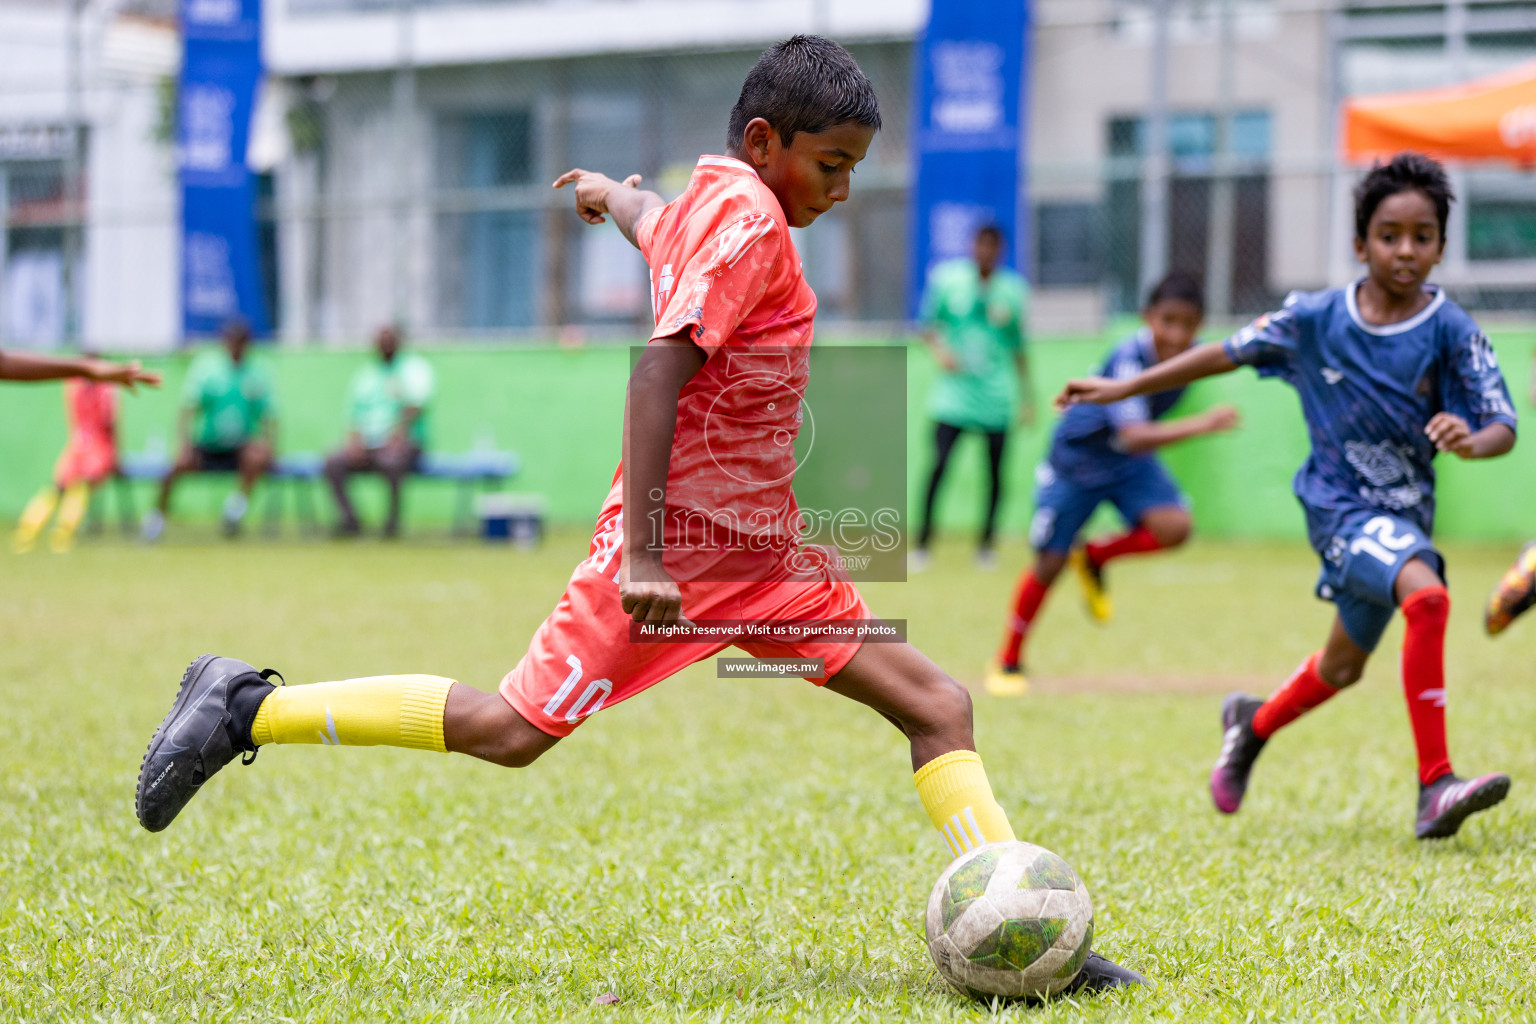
(1382, 541)
(597, 688)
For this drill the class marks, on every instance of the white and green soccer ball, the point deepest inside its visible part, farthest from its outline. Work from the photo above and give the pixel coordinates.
(1009, 919)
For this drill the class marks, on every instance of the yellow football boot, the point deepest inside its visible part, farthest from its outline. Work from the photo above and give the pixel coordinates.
(1100, 605)
(1515, 593)
(1005, 682)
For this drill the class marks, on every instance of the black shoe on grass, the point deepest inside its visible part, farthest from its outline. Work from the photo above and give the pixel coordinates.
(1099, 974)
(1448, 801)
(1240, 747)
(209, 723)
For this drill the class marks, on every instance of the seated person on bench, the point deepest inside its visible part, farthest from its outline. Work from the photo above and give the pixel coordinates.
(387, 417)
(227, 424)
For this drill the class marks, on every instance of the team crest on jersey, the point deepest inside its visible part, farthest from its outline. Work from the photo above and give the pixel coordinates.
(1393, 483)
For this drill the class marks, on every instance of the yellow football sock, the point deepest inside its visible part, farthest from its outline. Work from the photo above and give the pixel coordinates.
(957, 796)
(71, 511)
(395, 711)
(33, 518)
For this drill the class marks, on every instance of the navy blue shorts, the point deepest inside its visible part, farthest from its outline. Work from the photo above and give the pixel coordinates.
(1360, 567)
(1062, 506)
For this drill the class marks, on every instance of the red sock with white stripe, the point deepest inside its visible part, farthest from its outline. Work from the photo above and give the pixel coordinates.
(1302, 692)
(1026, 605)
(1427, 612)
(1138, 541)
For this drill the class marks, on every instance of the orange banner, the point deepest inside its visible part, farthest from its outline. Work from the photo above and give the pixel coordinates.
(1488, 119)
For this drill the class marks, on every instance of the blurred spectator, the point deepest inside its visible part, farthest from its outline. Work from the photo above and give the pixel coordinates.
(973, 322)
(89, 457)
(387, 420)
(227, 425)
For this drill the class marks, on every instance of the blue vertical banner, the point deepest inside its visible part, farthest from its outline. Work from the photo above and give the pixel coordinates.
(969, 135)
(220, 73)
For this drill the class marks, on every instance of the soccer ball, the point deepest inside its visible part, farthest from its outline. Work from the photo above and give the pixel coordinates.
(1009, 919)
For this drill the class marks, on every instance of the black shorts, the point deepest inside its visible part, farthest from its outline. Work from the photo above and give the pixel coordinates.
(218, 460)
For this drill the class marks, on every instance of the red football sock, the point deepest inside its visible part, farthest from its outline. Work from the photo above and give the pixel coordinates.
(1299, 694)
(1026, 605)
(1424, 677)
(1133, 542)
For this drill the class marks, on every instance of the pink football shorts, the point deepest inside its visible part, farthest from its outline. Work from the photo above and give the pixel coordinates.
(582, 657)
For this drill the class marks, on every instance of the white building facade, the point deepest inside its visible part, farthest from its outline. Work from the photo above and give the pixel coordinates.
(406, 148)
(88, 197)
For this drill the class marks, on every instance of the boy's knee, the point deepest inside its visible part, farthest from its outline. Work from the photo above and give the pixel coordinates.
(1171, 531)
(1340, 675)
(484, 725)
(508, 740)
(336, 466)
(511, 752)
(1048, 565)
(257, 456)
(948, 706)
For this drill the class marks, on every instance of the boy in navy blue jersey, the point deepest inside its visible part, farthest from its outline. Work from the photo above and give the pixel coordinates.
(1104, 454)
(1389, 373)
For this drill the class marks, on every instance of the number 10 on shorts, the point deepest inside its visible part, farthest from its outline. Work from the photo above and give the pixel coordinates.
(596, 692)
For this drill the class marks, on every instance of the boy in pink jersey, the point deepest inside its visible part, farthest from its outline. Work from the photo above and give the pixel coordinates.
(88, 458)
(90, 453)
(701, 523)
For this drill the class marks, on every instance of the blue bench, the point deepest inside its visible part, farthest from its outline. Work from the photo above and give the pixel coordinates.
(297, 474)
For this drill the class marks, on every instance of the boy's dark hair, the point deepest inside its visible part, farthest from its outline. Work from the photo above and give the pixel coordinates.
(992, 231)
(804, 84)
(1406, 172)
(1178, 287)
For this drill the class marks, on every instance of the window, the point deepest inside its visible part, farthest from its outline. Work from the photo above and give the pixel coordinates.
(1501, 230)
(41, 241)
(1066, 246)
(487, 150)
(489, 276)
(1192, 136)
(1500, 213)
(1192, 146)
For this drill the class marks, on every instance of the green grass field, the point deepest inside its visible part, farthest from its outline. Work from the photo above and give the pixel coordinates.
(733, 850)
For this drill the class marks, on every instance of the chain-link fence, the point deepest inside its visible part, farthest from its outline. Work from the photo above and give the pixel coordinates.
(421, 194)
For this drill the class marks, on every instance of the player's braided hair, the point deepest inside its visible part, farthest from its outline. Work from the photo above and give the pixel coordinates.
(804, 84)
(1405, 172)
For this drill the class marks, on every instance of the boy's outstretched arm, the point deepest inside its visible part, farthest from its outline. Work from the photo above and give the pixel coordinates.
(650, 423)
(597, 194)
(1135, 438)
(26, 366)
(1182, 369)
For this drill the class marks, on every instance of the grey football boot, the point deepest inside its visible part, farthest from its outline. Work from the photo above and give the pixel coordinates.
(1099, 974)
(209, 723)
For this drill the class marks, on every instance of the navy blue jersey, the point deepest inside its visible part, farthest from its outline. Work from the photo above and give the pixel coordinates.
(1367, 393)
(1083, 449)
